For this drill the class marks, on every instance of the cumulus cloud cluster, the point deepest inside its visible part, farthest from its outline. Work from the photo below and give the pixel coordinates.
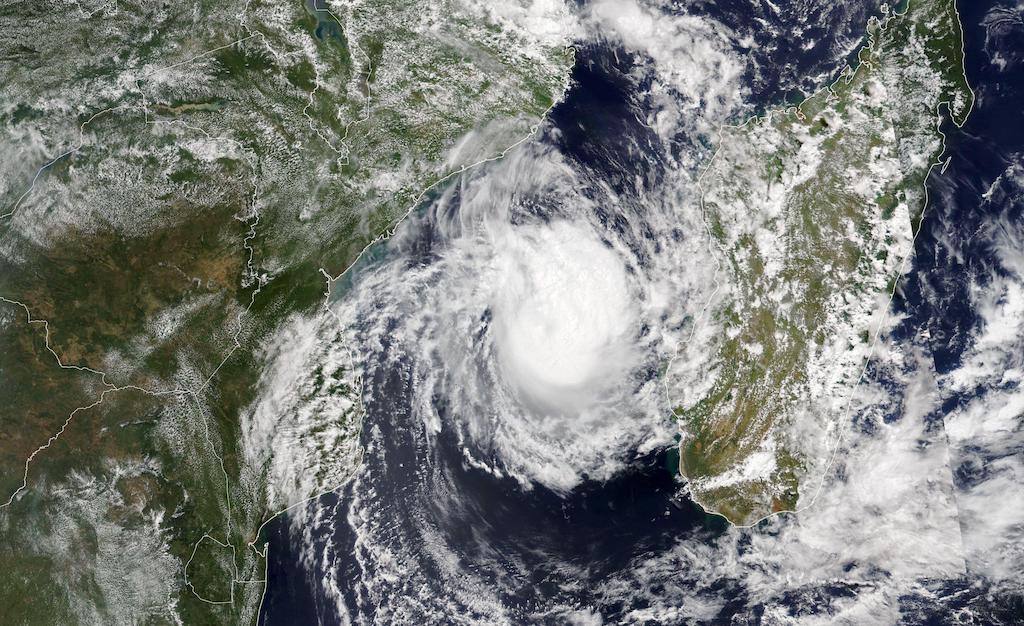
(526, 335)
(529, 313)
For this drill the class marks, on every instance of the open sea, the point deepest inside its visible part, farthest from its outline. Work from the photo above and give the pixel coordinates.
(546, 553)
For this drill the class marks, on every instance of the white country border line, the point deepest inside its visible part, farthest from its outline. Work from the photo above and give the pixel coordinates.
(251, 273)
(330, 280)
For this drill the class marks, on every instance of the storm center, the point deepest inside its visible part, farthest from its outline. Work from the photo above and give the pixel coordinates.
(563, 311)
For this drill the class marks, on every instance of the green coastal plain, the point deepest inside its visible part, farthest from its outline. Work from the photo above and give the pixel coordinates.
(178, 180)
(813, 211)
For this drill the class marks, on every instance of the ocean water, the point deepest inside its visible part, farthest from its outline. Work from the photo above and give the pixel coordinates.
(429, 533)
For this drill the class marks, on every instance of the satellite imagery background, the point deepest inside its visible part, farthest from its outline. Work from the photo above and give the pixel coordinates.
(511, 312)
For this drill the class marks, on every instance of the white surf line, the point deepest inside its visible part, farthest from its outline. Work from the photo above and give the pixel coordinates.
(260, 281)
(250, 271)
(266, 576)
(943, 162)
(327, 308)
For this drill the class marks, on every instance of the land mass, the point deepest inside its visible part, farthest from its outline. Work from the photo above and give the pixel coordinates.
(813, 211)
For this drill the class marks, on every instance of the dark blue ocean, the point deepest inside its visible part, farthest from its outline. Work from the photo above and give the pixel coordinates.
(513, 537)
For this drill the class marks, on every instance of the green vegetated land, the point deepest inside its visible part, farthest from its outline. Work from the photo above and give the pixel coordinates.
(216, 156)
(813, 211)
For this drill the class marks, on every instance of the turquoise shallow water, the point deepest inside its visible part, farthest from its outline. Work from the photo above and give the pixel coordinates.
(539, 551)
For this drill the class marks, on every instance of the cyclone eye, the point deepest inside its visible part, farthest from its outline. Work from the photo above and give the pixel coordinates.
(564, 316)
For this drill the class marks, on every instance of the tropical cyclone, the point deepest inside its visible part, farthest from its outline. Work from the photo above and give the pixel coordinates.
(174, 178)
(812, 212)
